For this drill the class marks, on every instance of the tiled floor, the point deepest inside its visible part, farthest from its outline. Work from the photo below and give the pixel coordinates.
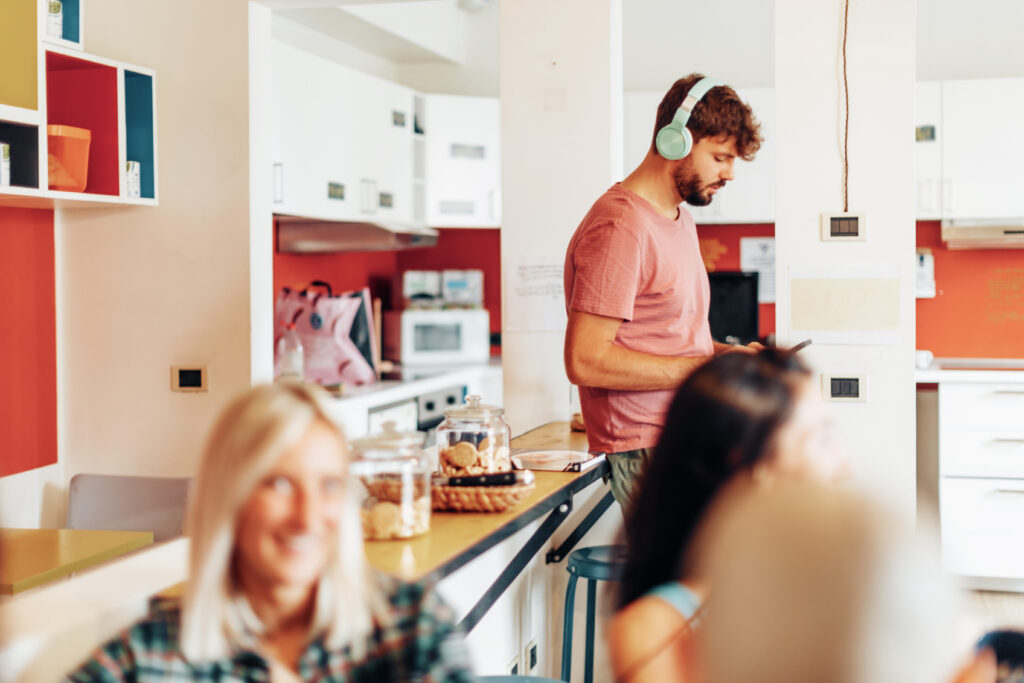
(988, 610)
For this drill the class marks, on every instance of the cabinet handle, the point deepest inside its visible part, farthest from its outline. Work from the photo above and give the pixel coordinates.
(1014, 492)
(1008, 392)
(278, 183)
(1019, 442)
(370, 197)
(494, 201)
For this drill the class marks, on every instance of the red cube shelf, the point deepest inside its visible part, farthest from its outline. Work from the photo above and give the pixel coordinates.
(83, 93)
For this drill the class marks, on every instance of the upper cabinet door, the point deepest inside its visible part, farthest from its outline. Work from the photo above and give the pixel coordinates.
(982, 150)
(384, 141)
(750, 197)
(929, 136)
(342, 143)
(463, 138)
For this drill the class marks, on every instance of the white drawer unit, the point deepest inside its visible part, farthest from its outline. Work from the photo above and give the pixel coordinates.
(982, 453)
(981, 483)
(981, 406)
(983, 527)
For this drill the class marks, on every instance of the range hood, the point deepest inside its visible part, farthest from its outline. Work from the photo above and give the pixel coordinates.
(998, 233)
(304, 235)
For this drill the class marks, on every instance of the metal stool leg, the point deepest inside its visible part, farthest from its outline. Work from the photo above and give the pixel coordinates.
(570, 604)
(588, 671)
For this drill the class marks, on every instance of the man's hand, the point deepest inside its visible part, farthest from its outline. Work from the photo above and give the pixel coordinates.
(752, 347)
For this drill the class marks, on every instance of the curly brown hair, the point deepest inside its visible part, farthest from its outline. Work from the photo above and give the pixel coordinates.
(719, 112)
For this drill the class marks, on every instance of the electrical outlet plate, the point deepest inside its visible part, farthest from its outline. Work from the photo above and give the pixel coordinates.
(188, 378)
(850, 227)
(531, 658)
(513, 668)
(827, 385)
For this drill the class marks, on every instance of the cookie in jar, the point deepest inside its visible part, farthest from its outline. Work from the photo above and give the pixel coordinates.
(473, 439)
(394, 474)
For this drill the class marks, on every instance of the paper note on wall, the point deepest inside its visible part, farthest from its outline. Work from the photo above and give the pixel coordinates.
(536, 300)
(757, 254)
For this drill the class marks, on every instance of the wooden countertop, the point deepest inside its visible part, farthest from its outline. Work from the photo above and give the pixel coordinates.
(457, 537)
(30, 557)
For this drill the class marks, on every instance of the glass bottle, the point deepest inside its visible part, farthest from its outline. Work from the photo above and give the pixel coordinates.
(395, 477)
(290, 355)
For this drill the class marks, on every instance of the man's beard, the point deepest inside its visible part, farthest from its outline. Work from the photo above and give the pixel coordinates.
(688, 187)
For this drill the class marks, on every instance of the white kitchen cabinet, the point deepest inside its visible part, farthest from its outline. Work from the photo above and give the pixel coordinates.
(981, 151)
(981, 479)
(463, 157)
(928, 149)
(382, 144)
(750, 197)
(342, 141)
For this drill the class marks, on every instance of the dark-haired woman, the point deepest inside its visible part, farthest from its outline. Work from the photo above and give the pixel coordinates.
(754, 416)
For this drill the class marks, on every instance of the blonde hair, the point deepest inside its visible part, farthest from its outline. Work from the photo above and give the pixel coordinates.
(250, 436)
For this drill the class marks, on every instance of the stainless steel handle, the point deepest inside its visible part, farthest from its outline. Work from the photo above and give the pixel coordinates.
(1009, 392)
(1015, 492)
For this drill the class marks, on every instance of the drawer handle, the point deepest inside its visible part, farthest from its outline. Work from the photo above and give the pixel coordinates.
(1008, 392)
(1019, 442)
(1012, 492)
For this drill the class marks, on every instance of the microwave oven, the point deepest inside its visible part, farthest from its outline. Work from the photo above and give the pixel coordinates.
(437, 337)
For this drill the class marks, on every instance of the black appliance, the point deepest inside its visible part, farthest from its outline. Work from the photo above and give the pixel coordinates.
(734, 308)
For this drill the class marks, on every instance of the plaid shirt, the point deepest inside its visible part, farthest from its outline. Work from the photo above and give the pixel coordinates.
(421, 644)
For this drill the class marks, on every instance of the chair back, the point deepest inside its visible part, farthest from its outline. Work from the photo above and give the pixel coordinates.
(129, 503)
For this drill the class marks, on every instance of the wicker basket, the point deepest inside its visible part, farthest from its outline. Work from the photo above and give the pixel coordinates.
(479, 498)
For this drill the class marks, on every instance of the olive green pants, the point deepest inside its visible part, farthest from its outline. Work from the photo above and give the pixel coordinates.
(624, 475)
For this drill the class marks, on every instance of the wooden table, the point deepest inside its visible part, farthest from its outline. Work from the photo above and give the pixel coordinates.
(31, 557)
(456, 538)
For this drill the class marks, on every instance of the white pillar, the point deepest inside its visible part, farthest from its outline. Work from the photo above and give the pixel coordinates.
(561, 115)
(879, 433)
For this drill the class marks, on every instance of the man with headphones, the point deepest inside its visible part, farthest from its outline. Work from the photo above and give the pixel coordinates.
(636, 290)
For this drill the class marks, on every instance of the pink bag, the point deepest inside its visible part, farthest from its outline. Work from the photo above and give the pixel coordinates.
(336, 331)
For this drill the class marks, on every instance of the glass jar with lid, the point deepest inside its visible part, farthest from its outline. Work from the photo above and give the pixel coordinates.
(395, 476)
(473, 439)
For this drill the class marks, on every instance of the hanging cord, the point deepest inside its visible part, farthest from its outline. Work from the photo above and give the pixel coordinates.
(846, 124)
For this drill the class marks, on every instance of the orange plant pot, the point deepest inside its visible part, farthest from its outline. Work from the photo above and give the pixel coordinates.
(68, 157)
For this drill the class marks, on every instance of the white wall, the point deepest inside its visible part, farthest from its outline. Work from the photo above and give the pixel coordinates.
(142, 288)
(808, 82)
(978, 39)
(561, 113)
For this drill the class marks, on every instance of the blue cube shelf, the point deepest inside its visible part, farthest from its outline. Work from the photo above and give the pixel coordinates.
(138, 108)
(72, 20)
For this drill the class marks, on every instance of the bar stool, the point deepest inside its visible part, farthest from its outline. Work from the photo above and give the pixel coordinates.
(597, 563)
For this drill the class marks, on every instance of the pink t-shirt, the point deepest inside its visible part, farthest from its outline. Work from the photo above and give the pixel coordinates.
(627, 261)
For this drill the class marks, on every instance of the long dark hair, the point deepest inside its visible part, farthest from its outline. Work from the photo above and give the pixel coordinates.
(723, 420)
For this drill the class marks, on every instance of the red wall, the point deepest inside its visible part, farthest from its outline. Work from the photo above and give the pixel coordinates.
(978, 310)
(28, 345)
(457, 248)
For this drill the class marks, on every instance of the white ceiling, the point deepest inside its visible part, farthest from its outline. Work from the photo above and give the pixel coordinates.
(732, 39)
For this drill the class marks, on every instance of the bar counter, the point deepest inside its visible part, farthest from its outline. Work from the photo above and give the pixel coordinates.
(455, 538)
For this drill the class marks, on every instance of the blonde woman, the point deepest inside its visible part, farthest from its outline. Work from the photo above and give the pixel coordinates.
(279, 589)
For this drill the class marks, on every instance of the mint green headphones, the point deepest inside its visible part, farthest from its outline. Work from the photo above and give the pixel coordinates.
(674, 141)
